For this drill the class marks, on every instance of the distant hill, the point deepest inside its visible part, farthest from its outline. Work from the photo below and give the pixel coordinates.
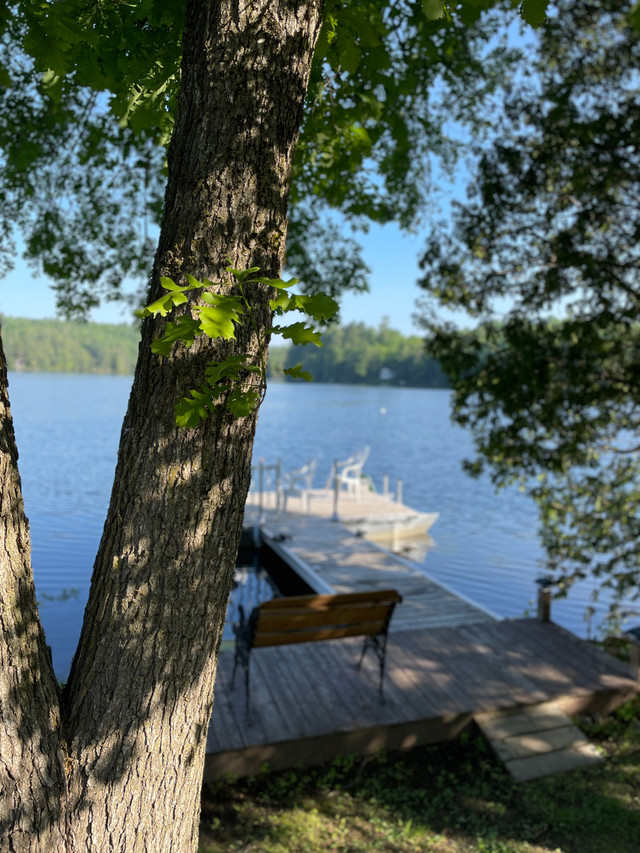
(354, 353)
(360, 355)
(55, 346)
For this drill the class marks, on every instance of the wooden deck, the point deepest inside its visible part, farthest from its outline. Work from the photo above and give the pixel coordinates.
(448, 660)
(309, 703)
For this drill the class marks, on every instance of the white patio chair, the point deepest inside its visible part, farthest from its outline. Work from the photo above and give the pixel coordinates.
(299, 482)
(349, 472)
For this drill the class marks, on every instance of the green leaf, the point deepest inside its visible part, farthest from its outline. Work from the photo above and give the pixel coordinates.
(48, 51)
(433, 9)
(191, 410)
(169, 284)
(216, 324)
(242, 275)
(321, 307)
(210, 298)
(297, 372)
(534, 12)
(290, 302)
(184, 329)
(233, 367)
(217, 320)
(280, 303)
(298, 333)
(349, 53)
(194, 284)
(163, 305)
(52, 85)
(242, 403)
(278, 283)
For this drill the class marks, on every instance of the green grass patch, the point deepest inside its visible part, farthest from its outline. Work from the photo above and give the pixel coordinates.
(450, 798)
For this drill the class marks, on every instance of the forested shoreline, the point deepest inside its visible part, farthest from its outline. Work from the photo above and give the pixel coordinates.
(358, 354)
(354, 353)
(56, 346)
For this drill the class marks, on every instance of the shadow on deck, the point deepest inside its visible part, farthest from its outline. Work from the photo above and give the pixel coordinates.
(309, 703)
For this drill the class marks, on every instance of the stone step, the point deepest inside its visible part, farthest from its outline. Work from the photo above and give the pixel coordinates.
(536, 740)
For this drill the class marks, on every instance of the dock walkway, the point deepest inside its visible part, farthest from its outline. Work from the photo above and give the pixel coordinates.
(331, 558)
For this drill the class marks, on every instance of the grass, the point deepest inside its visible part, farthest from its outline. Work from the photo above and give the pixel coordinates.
(450, 798)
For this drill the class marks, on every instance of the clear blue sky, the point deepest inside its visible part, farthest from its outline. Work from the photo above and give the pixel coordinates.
(393, 259)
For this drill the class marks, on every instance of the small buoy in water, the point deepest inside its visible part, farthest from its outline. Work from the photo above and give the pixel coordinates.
(383, 411)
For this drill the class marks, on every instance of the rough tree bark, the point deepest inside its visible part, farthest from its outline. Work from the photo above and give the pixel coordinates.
(119, 767)
(32, 775)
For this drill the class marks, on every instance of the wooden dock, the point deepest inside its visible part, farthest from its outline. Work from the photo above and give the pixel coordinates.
(448, 661)
(332, 558)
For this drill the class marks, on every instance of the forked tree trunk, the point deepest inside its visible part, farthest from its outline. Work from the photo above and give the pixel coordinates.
(32, 777)
(137, 704)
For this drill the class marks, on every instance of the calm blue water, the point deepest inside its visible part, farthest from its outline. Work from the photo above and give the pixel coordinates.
(68, 426)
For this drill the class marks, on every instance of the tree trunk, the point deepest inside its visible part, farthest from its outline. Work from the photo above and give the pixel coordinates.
(137, 704)
(32, 778)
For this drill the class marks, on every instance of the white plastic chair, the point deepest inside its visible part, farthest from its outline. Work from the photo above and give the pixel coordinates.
(349, 472)
(299, 482)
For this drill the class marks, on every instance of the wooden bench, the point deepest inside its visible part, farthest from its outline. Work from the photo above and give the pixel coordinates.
(310, 618)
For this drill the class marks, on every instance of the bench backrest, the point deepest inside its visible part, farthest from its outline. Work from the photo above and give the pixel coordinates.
(306, 618)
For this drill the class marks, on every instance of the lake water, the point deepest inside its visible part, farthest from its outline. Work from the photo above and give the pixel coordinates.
(67, 427)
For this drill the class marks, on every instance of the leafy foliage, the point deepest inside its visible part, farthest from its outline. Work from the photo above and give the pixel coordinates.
(239, 381)
(89, 108)
(374, 121)
(81, 192)
(553, 226)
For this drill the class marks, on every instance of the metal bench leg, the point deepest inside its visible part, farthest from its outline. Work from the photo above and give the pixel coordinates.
(379, 646)
(381, 649)
(244, 635)
(367, 641)
(244, 658)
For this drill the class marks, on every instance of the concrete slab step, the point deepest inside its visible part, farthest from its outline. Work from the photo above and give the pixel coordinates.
(536, 741)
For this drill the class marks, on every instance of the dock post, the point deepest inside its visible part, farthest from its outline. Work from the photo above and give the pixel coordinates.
(278, 485)
(544, 598)
(260, 490)
(385, 484)
(336, 490)
(633, 635)
(399, 492)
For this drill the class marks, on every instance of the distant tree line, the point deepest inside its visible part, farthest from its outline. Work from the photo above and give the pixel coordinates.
(55, 346)
(354, 353)
(358, 354)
